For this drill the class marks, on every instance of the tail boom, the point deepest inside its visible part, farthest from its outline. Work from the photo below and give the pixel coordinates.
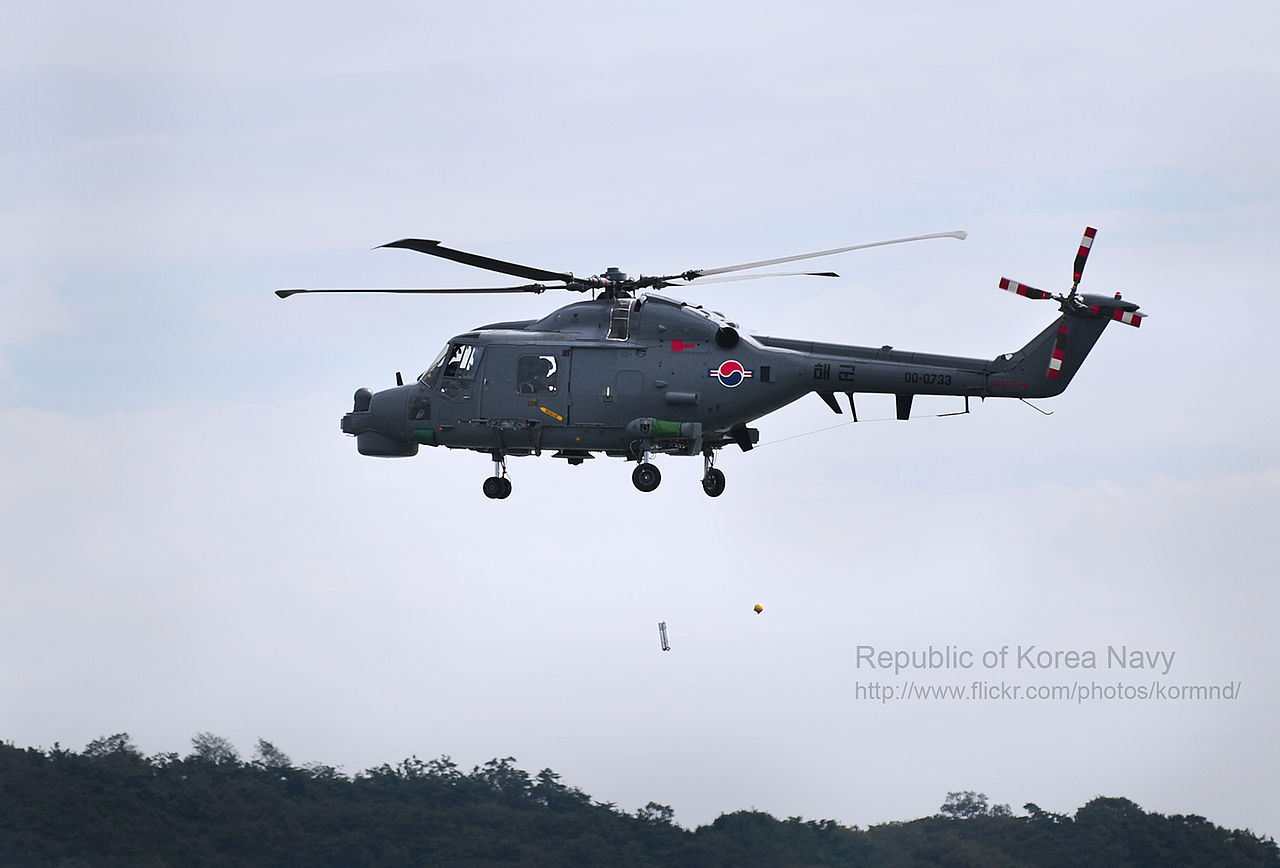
(1041, 369)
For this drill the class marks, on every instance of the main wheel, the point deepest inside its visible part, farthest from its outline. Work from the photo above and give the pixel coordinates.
(506, 488)
(646, 477)
(496, 487)
(713, 482)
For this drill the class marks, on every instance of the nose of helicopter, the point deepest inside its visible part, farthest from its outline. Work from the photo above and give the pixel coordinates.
(377, 420)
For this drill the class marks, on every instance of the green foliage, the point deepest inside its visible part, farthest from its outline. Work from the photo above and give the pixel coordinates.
(214, 750)
(112, 806)
(967, 804)
(659, 814)
(268, 756)
(112, 745)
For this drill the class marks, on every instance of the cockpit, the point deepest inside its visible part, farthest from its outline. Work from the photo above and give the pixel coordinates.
(455, 366)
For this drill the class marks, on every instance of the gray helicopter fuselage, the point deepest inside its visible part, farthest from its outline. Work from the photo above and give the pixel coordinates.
(630, 376)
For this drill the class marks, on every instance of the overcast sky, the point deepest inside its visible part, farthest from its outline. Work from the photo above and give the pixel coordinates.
(192, 545)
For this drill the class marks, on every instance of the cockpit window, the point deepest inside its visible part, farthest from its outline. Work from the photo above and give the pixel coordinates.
(456, 364)
(428, 377)
(462, 361)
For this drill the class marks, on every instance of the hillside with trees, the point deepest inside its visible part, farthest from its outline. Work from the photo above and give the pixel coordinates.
(110, 805)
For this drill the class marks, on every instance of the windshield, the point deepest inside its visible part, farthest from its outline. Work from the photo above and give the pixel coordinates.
(456, 362)
(428, 377)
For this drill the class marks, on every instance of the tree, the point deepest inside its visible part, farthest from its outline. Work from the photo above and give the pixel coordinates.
(269, 757)
(1038, 815)
(117, 754)
(503, 777)
(663, 815)
(964, 805)
(444, 768)
(112, 745)
(214, 749)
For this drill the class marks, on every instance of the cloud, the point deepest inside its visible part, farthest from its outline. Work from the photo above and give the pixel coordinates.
(30, 310)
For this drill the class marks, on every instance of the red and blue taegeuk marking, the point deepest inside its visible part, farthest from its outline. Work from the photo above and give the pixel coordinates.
(730, 373)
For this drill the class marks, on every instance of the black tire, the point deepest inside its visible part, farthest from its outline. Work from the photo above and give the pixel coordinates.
(713, 482)
(646, 477)
(493, 487)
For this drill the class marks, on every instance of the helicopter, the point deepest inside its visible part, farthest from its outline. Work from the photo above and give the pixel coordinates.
(632, 374)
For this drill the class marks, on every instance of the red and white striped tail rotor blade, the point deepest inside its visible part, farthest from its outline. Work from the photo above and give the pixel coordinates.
(1059, 352)
(1023, 290)
(1086, 244)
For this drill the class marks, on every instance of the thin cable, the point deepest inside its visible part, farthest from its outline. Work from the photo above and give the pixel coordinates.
(851, 422)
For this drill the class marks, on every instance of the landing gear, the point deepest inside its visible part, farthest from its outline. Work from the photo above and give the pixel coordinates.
(498, 486)
(713, 483)
(712, 479)
(646, 476)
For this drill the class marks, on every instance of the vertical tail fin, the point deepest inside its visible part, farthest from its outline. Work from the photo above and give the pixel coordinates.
(1045, 366)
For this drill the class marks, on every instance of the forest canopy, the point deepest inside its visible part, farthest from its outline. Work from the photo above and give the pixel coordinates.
(111, 805)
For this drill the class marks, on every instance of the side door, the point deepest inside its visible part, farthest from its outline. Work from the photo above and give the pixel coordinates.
(528, 383)
(609, 385)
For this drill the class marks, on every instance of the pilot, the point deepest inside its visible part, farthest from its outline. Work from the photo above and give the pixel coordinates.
(547, 378)
(534, 375)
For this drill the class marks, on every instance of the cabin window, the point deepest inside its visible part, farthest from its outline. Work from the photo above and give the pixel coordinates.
(537, 375)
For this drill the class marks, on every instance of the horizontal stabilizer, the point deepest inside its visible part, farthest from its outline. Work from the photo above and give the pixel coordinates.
(1128, 317)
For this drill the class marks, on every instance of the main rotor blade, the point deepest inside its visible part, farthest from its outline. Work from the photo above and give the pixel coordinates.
(532, 287)
(433, 248)
(704, 272)
(680, 281)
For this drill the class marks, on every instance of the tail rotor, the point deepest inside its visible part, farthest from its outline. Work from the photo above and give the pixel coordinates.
(1076, 306)
(1075, 302)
